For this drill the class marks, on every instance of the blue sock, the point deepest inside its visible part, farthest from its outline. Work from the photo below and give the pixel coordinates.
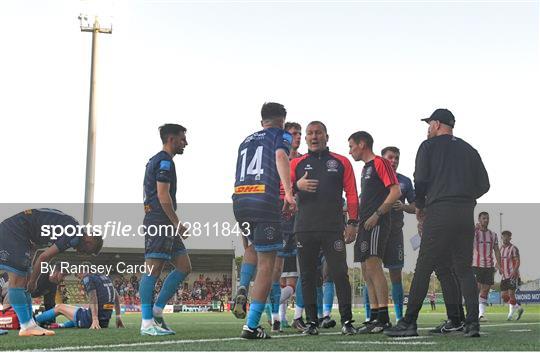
(319, 301)
(299, 295)
(69, 324)
(246, 273)
(146, 293)
(29, 302)
(397, 297)
(46, 316)
(275, 296)
(17, 298)
(366, 303)
(170, 285)
(256, 309)
(268, 311)
(328, 296)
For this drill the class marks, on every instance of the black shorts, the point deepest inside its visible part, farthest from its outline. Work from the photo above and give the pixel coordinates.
(83, 318)
(484, 275)
(393, 256)
(372, 242)
(510, 284)
(289, 267)
(265, 236)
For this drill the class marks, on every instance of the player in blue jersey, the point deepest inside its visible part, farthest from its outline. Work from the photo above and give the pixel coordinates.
(102, 297)
(393, 258)
(20, 236)
(263, 162)
(164, 231)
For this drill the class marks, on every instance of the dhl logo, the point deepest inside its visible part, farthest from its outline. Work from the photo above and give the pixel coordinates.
(250, 189)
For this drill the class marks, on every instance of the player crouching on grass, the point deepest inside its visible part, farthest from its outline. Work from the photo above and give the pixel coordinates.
(102, 299)
(510, 262)
(20, 235)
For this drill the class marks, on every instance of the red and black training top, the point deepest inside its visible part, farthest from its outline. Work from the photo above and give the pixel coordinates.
(377, 176)
(323, 209)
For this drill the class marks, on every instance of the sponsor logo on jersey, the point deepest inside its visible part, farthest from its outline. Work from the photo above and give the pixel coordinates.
(250, 189)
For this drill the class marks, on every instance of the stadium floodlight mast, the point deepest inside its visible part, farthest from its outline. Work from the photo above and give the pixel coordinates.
(95, 28)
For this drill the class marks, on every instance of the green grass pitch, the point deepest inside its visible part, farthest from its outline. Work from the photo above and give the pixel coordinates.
(220, 332)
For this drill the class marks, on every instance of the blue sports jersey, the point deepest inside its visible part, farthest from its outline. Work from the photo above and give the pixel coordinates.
(256, 190)
(159, 168)
(407, 193)
(104, 291)
(29, 226)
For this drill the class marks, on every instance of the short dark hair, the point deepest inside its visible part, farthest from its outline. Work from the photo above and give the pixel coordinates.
(483, 213)
(170, 129)
(362, 136)
(271, 111)
(317, 122)
(506, 232)
(390, 149)
(292, 125)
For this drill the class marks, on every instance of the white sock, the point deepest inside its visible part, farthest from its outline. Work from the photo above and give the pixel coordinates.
(326, 313)
(157, 311)
(147, 323)
(481, 309)
(30, 324)
(286, 293)
(275, 316)
(298, 312)
(283, 312)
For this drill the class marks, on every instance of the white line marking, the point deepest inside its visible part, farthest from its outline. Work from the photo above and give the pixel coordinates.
(390, 342)
(409, 338)
(520, 330)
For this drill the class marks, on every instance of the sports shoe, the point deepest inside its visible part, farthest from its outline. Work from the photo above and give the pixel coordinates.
(328, 322)
(240, 303)
(402, 329)
(299, 324)
(155, 330)
(447, 327)
(254, 333)
(520, 312)
(482, 319)
(374, 327)
(161, 323)
(472, 329)
(3, 332)
(509, 318)
(347, 328)
(311, 329)
(276, 326)
(35, 331)
(285, 324)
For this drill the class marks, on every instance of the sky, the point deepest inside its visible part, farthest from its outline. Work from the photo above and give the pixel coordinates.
(378, 66)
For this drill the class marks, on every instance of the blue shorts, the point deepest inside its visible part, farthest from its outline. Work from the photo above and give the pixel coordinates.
(160, 242)
(393, 258)
(15, 252)
(83, 318)
(265, 236)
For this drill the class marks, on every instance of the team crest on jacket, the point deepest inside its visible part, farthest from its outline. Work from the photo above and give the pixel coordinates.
(363, 246)
(339, 245)
(332, 165)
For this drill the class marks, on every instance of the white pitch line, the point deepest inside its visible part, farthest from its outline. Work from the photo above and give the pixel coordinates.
(526, 330)
(409, 338)
(399, 343)
(225, 339)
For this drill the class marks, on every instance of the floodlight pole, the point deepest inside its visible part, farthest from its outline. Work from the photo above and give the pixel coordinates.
(95, 28)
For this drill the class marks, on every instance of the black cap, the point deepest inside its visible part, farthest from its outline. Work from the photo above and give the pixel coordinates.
(445, 116)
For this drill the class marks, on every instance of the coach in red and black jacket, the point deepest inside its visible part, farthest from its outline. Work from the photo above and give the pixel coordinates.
(320, 177)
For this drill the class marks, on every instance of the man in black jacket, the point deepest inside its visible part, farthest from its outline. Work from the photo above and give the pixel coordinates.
(320, 177)
(449, 177)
